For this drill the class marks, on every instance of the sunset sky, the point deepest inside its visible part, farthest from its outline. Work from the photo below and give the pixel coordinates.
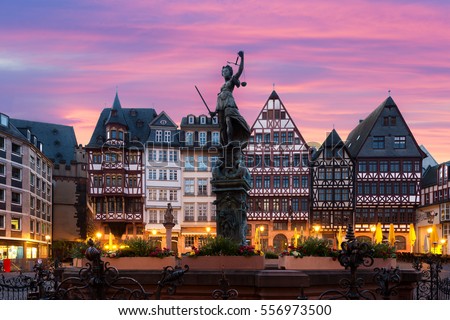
(331, 62)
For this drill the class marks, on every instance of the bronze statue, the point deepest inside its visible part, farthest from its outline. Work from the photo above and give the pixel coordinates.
(233, 127)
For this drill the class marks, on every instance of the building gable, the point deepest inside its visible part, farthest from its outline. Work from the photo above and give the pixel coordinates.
(274, 120)
(383, 134)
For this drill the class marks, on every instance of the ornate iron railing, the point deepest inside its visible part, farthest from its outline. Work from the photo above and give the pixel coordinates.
(99, 281)
(353, 255)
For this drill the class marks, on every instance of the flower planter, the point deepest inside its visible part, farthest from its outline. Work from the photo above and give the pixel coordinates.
(326, 263)
(223, 262)
(140, 263)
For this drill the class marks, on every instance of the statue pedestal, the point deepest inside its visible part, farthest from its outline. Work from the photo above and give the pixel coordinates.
(169, 226)
(231, 207)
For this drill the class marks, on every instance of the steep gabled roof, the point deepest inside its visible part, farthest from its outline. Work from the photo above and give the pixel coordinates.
(333, 141)
(429, 160)
(59, 141)
(276, 124)
(116, 114)
(163, 120)
(136, 119)
(358, 136)
(358, 142)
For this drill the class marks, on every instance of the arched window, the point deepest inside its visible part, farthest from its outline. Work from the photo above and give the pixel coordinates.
(400, 243)
(280, 243)
(364, 239)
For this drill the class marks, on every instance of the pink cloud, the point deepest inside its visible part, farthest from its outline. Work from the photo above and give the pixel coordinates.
(332, 62)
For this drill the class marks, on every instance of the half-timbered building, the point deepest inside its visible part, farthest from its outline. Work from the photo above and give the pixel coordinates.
(388, 167)
(277, 157)
(434, 210)
(116, 169)
(332, 197)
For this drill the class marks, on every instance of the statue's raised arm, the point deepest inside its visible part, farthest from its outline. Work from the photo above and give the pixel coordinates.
(241, 65)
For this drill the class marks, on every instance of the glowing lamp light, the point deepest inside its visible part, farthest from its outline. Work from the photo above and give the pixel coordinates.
(316, 228)
(208, 229)
(153, 232)
(261, 228)
(98, 235)
(373, 228)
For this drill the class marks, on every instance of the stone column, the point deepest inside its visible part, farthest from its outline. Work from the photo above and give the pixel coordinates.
(168, 224)
(231, 183)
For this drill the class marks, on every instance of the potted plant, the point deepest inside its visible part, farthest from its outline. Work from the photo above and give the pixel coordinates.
(140, 254)
(317, 254)
(222, 253)
(77, 253)
(311, 253)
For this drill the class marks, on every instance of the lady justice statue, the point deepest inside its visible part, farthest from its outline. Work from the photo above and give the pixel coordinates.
(233, 127)
(230, 178)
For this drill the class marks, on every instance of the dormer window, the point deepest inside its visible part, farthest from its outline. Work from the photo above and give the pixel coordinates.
(191, 119)
(4, 120)
(113, 134)
(202, 120)
(215, 120)
(120, 135)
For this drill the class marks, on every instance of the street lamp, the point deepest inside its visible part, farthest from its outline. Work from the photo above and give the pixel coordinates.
(47, 239)
(316, 230)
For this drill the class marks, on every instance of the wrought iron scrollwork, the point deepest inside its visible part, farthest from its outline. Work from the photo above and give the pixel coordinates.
(430, 285)
(388, 281)
(352, 255)
(99, 280)
(224, 292)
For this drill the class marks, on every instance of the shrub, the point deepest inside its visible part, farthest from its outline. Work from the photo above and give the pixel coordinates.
(383, 250)
(138, 247)
(78, 249)
(311, 246)
(270, 255)
(221, 246)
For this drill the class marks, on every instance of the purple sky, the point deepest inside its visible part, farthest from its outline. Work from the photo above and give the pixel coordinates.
(332, 62)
